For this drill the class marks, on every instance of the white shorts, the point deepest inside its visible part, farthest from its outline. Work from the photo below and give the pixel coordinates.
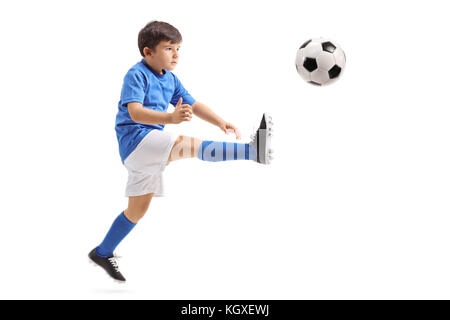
(147, 162)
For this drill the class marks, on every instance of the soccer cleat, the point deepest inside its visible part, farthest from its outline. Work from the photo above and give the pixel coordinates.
(109, 264)
(261, 140)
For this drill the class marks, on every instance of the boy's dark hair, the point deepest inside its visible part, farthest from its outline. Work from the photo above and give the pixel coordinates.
(155, 32)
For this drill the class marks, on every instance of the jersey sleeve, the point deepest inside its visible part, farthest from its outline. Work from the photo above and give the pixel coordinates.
(133, 89)
(181, 92)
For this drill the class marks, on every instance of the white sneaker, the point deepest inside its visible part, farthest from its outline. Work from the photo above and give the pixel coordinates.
(261, 140)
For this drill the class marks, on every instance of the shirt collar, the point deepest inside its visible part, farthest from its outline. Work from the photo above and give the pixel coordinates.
(157, 74)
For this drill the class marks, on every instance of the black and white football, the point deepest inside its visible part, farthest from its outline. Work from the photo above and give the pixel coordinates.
(320, 61)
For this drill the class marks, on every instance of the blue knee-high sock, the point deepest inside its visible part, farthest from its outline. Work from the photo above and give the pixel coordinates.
(119, 230)
(223, 151)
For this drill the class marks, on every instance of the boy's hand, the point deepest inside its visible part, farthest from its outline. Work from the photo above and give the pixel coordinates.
(226, 127)
(183, 112)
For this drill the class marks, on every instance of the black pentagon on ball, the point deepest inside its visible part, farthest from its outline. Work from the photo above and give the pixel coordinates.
(315, 83)
(328, 46)
(305, 44)
(334, 72)
(310, 64)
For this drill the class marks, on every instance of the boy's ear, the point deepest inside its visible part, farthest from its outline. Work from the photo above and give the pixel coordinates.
(147, 51)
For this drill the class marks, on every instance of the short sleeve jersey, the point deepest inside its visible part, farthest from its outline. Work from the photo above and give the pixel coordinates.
(154, 91)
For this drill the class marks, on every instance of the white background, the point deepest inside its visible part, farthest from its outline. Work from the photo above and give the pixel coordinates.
(355, 205)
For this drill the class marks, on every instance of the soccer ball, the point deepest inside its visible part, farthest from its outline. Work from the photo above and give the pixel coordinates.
(320, 61)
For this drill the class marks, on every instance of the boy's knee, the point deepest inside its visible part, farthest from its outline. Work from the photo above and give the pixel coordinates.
(135, 214)
(180, 139)
(184, 147)
(138, 206)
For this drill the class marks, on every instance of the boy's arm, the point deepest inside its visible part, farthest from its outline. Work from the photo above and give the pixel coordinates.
(203, 112)
(144, 115)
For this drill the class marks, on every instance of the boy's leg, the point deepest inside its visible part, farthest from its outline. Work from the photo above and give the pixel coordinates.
(184, 148)
(102, 255)
(258, 149)
(213, 151)
(137, 207)
(124, 223)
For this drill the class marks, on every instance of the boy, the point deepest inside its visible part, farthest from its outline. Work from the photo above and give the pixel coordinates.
(145, 149)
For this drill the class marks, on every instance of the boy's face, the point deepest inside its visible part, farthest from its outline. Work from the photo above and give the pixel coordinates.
(165, 56)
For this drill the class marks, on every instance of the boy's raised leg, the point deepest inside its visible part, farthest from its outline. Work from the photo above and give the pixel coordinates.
(258, 149)
(213, 151)
(184, 148)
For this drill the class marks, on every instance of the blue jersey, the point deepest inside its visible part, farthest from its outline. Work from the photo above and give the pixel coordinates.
(154, 91)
